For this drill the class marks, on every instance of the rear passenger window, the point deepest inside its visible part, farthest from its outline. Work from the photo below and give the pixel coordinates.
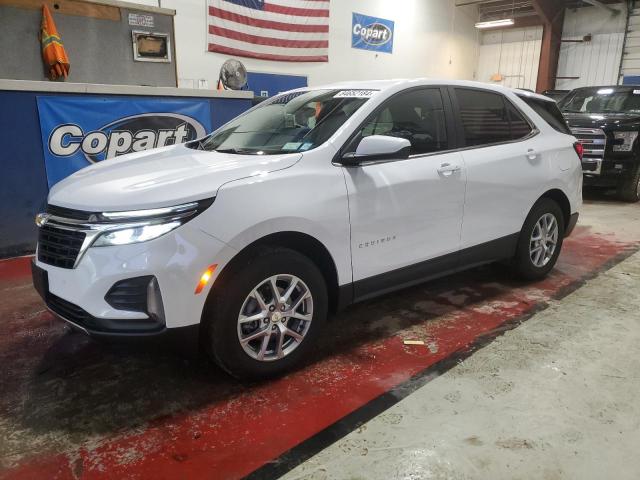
(488, 118)
(417, 115)
(549, 111)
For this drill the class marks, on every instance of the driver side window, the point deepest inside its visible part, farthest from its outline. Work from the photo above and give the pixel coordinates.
(417, 115)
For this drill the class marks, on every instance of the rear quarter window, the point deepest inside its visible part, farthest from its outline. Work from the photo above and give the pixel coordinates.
(549, 111)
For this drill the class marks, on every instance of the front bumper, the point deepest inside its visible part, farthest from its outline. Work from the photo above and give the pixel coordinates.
(81, 320)
(610, 170)
(176, 261)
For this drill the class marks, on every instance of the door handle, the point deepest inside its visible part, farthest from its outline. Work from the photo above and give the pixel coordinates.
(532, 154)
(448, 169)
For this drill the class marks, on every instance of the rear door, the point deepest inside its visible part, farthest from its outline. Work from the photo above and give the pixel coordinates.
(406, 212)
(505, 162)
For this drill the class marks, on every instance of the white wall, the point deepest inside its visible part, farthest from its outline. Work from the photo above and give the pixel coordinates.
(595, 62)
(432, 38)
(513, 53)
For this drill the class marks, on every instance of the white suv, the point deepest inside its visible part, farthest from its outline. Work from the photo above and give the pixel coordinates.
(310, 201)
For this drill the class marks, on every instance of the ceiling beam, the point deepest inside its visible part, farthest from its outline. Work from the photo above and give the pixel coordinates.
(598, 4)
(523, 22)
(462, 3)
(548, 9)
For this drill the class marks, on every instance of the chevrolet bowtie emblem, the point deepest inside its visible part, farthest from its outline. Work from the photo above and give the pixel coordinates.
(42, 219)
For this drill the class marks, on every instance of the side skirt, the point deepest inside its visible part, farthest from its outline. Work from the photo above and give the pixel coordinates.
(502, 248)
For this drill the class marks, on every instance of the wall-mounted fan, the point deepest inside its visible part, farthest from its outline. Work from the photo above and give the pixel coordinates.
(233, 75)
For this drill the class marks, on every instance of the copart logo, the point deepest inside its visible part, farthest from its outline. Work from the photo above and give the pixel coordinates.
(125, 135)
(375, 34)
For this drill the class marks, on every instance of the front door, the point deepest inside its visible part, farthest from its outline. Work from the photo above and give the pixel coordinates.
(406, 215)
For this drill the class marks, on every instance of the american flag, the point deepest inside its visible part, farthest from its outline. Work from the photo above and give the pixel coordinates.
(281, 30)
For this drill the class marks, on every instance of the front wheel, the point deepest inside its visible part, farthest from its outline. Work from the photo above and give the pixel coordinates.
(266, 314)
(540, 240)
(629, 190)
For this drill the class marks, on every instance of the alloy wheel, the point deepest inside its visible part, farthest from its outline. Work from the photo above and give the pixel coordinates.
(544, 240)
(275, 317)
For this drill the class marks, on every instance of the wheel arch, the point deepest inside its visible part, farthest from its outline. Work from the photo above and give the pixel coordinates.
(562, 200)
(304, 244)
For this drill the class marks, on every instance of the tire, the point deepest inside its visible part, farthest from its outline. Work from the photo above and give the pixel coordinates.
(239, 291)
(525, 258)
(629, 190)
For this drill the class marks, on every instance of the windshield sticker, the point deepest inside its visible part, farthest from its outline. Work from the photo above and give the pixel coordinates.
(636, 92)
(291, 146)
(355, 94)
(289, 120)
(306, 146)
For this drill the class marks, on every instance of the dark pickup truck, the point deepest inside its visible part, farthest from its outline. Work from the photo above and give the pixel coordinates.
(606, 120)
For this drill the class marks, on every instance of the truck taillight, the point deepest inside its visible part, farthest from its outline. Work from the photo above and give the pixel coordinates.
(579, 148)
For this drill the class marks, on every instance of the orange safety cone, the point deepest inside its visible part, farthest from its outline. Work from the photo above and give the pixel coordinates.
(53, 52)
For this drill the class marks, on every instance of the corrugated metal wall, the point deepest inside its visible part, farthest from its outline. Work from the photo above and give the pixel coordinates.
(631, 56)
(513, 53)
(595, 62)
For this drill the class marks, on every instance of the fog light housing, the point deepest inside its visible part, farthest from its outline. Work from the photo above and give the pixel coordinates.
(155, 307)
(138, 294)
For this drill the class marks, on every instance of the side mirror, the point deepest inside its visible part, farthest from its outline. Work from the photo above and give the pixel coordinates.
(378, 148)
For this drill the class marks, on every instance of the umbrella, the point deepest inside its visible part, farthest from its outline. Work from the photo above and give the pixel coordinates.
(53, 53)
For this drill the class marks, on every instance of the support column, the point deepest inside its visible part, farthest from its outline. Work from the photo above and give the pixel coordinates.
(551, 13)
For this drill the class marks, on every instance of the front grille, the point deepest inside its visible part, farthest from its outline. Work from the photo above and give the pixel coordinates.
(129, 294)
(75, 314)
(68, 310)
(594, 143)
(59, 247)
(68, 213)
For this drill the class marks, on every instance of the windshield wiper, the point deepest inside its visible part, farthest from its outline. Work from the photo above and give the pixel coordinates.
(237, 151)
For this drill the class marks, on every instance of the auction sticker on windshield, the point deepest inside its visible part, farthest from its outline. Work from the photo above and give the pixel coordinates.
(355, 94)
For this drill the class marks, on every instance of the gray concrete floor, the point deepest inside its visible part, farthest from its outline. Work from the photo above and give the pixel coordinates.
(555, 398)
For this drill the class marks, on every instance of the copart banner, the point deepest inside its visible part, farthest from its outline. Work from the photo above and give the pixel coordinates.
(372, 33)
(79, 131)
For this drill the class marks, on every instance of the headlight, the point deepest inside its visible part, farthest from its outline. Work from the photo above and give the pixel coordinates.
(624, 141)
(135, 226)
(135, 234)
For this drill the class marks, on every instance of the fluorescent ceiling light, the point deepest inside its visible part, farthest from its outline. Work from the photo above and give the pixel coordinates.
(504, 22)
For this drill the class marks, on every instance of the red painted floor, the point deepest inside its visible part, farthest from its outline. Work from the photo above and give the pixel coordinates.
(72, 408)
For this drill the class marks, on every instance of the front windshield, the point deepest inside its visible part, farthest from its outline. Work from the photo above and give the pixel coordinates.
(293, 122)
(602, 100)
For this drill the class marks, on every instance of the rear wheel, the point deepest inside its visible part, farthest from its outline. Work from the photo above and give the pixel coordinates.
(266, 314)
(540, 240)
(629, 190)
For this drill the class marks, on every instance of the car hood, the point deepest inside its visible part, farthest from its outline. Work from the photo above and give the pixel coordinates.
(161, 177)
(606, 121)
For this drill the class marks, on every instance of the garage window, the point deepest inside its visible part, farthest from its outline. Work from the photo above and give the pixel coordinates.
(488, 118)
(417, 115)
